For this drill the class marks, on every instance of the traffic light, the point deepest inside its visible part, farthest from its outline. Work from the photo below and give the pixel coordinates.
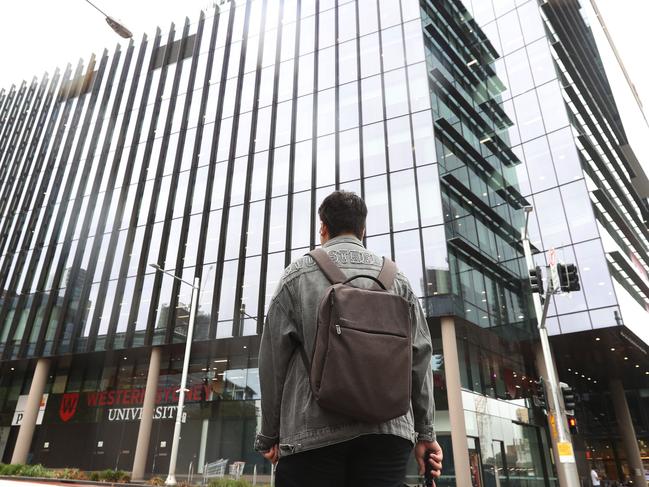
(536, 280)
(568, 277)
(568, 398)
(572, 425)
(540, 398)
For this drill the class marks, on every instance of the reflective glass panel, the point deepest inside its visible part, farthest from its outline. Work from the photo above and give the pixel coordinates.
(307, 34)
(552, 106)
(407, 255)
(371, 55)
(228, 289)
(347, 62)
(372, 99)
(376, 199)
(301, 223)
(326, 111)
(303, 165)
(255, 228)
(259, 177)
(399, 143)
(346, 22)
(540, 60)
(326, 68)
(564, 155)
(280, 171)
(537, 157)
(304, 118)
(530, 121)
(510, 32)
(326, 161)
(404, 200)
(277, 227)
(348, 111)
(349, 155)
(549, 211)
(367, 16)
(430, 201)
(374, 149)
(578, 206)
(390, 13)
(212, 237)
(396, 93)
(392, 45)
(233, 238)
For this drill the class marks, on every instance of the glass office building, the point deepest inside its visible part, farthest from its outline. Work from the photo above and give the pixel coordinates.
(206, 150)
(582, 136)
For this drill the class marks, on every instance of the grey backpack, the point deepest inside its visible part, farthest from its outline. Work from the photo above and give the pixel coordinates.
(361, 364)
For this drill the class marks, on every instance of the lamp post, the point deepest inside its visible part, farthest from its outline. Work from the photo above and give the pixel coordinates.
(171, 477)
(117, 26)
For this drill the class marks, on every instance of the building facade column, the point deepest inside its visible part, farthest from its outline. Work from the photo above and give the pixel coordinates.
(28, 424)
(455, 407)
(146, 420)
(627, 431)
(204, 431)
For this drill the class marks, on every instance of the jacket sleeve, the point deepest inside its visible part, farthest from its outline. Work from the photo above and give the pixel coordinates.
(277, 347)
(423, 402)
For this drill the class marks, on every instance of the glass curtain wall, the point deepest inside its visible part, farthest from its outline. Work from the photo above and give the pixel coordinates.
(574, 170)
(206, 149)
(481, 197)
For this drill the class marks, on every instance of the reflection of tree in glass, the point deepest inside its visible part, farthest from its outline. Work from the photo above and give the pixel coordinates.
(76, 286)
(201, 324)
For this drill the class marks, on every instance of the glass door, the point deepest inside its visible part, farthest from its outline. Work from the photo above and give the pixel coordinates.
(475, 462)
(495, 466)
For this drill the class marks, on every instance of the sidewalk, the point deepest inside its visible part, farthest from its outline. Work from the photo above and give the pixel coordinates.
(55, 483)
(26, 483)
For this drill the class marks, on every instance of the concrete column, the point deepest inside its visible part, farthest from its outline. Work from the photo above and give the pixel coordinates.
(146, 420)
(626, 429)
(28, 425)
(455, 408)
(203, 445)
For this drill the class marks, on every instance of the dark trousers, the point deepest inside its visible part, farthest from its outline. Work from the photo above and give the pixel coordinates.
(366, 461)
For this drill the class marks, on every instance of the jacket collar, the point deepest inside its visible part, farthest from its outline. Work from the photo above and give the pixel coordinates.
(343, 239)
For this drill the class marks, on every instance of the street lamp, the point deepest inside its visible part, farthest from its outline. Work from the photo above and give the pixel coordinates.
(171, 477)
(114, 24)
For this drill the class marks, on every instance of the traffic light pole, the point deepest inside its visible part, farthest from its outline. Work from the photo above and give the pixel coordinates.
(561, 443)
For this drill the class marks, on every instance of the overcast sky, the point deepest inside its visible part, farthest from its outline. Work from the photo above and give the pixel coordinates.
(39, 35)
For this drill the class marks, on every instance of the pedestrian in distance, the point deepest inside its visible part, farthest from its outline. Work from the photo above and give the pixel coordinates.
(594, 477)
(345, 365)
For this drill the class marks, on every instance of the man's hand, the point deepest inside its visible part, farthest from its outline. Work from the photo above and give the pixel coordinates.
(434, 461)
(272, 455)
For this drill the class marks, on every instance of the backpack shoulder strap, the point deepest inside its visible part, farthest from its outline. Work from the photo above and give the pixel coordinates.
(388, 273)
(329, 269)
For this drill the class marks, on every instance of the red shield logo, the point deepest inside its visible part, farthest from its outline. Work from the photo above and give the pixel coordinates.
(68, 407)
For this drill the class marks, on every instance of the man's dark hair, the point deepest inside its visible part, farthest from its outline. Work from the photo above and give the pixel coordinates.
(343, 212)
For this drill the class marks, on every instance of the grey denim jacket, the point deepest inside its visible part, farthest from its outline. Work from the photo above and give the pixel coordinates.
(290, 415)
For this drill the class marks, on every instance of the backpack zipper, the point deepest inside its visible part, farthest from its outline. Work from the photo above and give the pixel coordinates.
(339, 328)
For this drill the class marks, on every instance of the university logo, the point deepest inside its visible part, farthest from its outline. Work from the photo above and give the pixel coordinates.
(69, 403)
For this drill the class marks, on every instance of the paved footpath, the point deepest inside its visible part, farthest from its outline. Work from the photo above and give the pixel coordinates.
(26, 483)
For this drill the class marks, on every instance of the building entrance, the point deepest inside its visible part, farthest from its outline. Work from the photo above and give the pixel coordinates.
(475, 462)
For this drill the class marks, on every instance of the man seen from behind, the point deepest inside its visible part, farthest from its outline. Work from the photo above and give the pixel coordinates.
(313, 446)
